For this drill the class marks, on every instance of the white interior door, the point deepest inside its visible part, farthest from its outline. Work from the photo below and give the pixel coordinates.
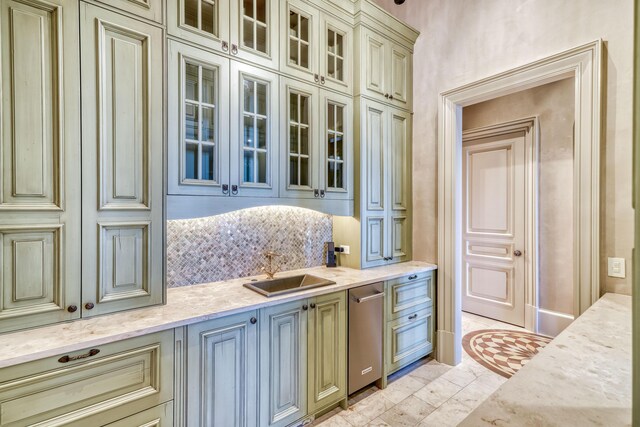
(493, 233)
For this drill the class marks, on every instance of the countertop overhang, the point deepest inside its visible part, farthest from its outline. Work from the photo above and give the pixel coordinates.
(185, 305)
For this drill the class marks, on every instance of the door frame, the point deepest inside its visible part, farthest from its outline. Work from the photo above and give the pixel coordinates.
(584, 64)
(528, 126)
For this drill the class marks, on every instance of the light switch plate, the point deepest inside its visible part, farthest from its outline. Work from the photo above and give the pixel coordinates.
(616, 268)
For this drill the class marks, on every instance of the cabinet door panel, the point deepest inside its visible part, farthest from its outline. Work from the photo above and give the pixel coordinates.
(254, 30)
(401, 82)
(222, 372)
(122, 160)
(375, 156)
(283, 364)
(409, 338)
(204, 22)
(336, 144)
(336, 54)
(327, 351)
(299, 43)
(158, 416)
(400, 186)
(148, 9)
(374, 49)
(375, 239)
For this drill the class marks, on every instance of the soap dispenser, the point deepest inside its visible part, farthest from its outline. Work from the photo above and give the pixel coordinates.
(331, 254)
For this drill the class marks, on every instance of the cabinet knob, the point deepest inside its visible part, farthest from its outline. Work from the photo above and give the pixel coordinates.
(322, 194)
(316, 193)
(225, 46)
(89, 305)
(72, 308)
(517, 253)
(305, 307)
(322, 79)
(225, 188)
(234, 49)
(391, 97)
(253, 320)
(234, 190)
(312, 305)
(316, 78)
(386, 95)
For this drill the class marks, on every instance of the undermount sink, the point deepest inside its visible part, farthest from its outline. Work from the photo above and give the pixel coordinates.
(285, 285)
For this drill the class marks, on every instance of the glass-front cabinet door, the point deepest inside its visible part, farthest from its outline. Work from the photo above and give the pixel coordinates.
(299, 40)
(336, 56)
(254, 132)
(299, 171)
(254, 31)
(336, 118)
(198, 126)
(205, 22)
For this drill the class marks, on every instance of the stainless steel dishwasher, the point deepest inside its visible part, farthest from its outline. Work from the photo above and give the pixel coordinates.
(365, 335)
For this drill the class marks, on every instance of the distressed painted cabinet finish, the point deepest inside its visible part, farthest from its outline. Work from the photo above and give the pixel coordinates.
(122, 162)
(408, 338)
(158, 416)
(244, 29)
(103, 385)
(148, 9)
(222, 372)
(39, 163)
(409, 294)
(283, 363)
(327, 346)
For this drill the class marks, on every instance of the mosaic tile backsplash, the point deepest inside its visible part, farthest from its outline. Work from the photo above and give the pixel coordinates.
(232, 245)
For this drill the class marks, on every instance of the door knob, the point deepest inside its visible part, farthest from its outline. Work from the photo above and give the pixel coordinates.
(89, 306)
(305, 307)
(253, 320)
(517, 253)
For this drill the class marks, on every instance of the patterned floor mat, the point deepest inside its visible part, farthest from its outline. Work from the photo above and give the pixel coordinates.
(503, 351)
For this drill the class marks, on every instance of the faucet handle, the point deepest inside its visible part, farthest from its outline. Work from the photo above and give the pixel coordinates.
(271, 254)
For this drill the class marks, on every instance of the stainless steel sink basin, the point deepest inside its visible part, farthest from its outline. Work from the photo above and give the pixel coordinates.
(285, 285)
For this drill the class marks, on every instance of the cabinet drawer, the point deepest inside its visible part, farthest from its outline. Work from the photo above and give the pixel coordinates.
(158, 416)
(408, 339)
(409, 294)
(98, 385)
(148, 9)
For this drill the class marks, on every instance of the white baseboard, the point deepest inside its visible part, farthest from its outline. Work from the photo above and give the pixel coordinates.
(446, 350)
(551, 323)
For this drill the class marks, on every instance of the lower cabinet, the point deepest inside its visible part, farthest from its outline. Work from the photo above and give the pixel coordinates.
(158, 416)
(222, 363)
(91, 387)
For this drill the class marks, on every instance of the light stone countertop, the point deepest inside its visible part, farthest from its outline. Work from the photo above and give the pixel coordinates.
(185, 305)
(582, 378)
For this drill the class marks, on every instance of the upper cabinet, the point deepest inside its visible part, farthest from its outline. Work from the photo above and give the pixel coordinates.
(317, 46)
(152, 10)
(385, 69)
(221, 142)
(246, 29)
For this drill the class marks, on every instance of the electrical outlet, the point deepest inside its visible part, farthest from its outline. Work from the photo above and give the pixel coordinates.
(345, 249)
(616, 268)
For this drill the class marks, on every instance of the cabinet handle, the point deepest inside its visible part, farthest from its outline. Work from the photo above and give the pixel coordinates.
(65, 359)
(386, 95)
(391, 97)
(316, 193)
(89, 305)
(253, 320)
(305, 307)
(316, 78)
(413, 316)
(312, 305)
(234, 49)
(322, 79)
(225, 188)
(225, 46)
(234, 189)
(322, 194)
(72, 308)
(415, 276)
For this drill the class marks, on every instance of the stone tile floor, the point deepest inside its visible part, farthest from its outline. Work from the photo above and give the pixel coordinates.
(427, 393)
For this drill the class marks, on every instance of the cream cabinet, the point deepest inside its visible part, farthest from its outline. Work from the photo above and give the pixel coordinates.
(317, 154)
(316, 46)
(221, 142)
(244, 29)
(122, 161)
(385, 69)
(152, 10)
(39, 163)
(158, 416)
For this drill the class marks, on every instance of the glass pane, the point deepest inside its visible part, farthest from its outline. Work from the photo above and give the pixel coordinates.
(339, 44)
(208, 124)
(191, 13)
(304, 28)
(339, 118)
(249, 96)
(191, 121)
(293, 107)
(191, 85)
(262, 133)
(304, 109)
(191, 161)
(293, 24)
(339, 69)
(339, 145)
(261, 38)
(331, 66)
(331, 140)
(208, 17)
(330, 117)
(331, 46)
(261, 90)
(208, 86)
(247, 33)
(247, 8)
(293, 139)
(304, 55)
(293, 51)
(304, 171)
(330, 170)
(208, 156)
(293, 170)
(261, 10)
(248, 167)
(304, 141)
(249, 137)
(339, 176)
(261, 173)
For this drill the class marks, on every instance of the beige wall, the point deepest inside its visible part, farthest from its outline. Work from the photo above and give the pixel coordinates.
(554, 105)
(463, 41)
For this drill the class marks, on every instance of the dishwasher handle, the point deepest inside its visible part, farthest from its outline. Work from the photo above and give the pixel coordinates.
(370, 297)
